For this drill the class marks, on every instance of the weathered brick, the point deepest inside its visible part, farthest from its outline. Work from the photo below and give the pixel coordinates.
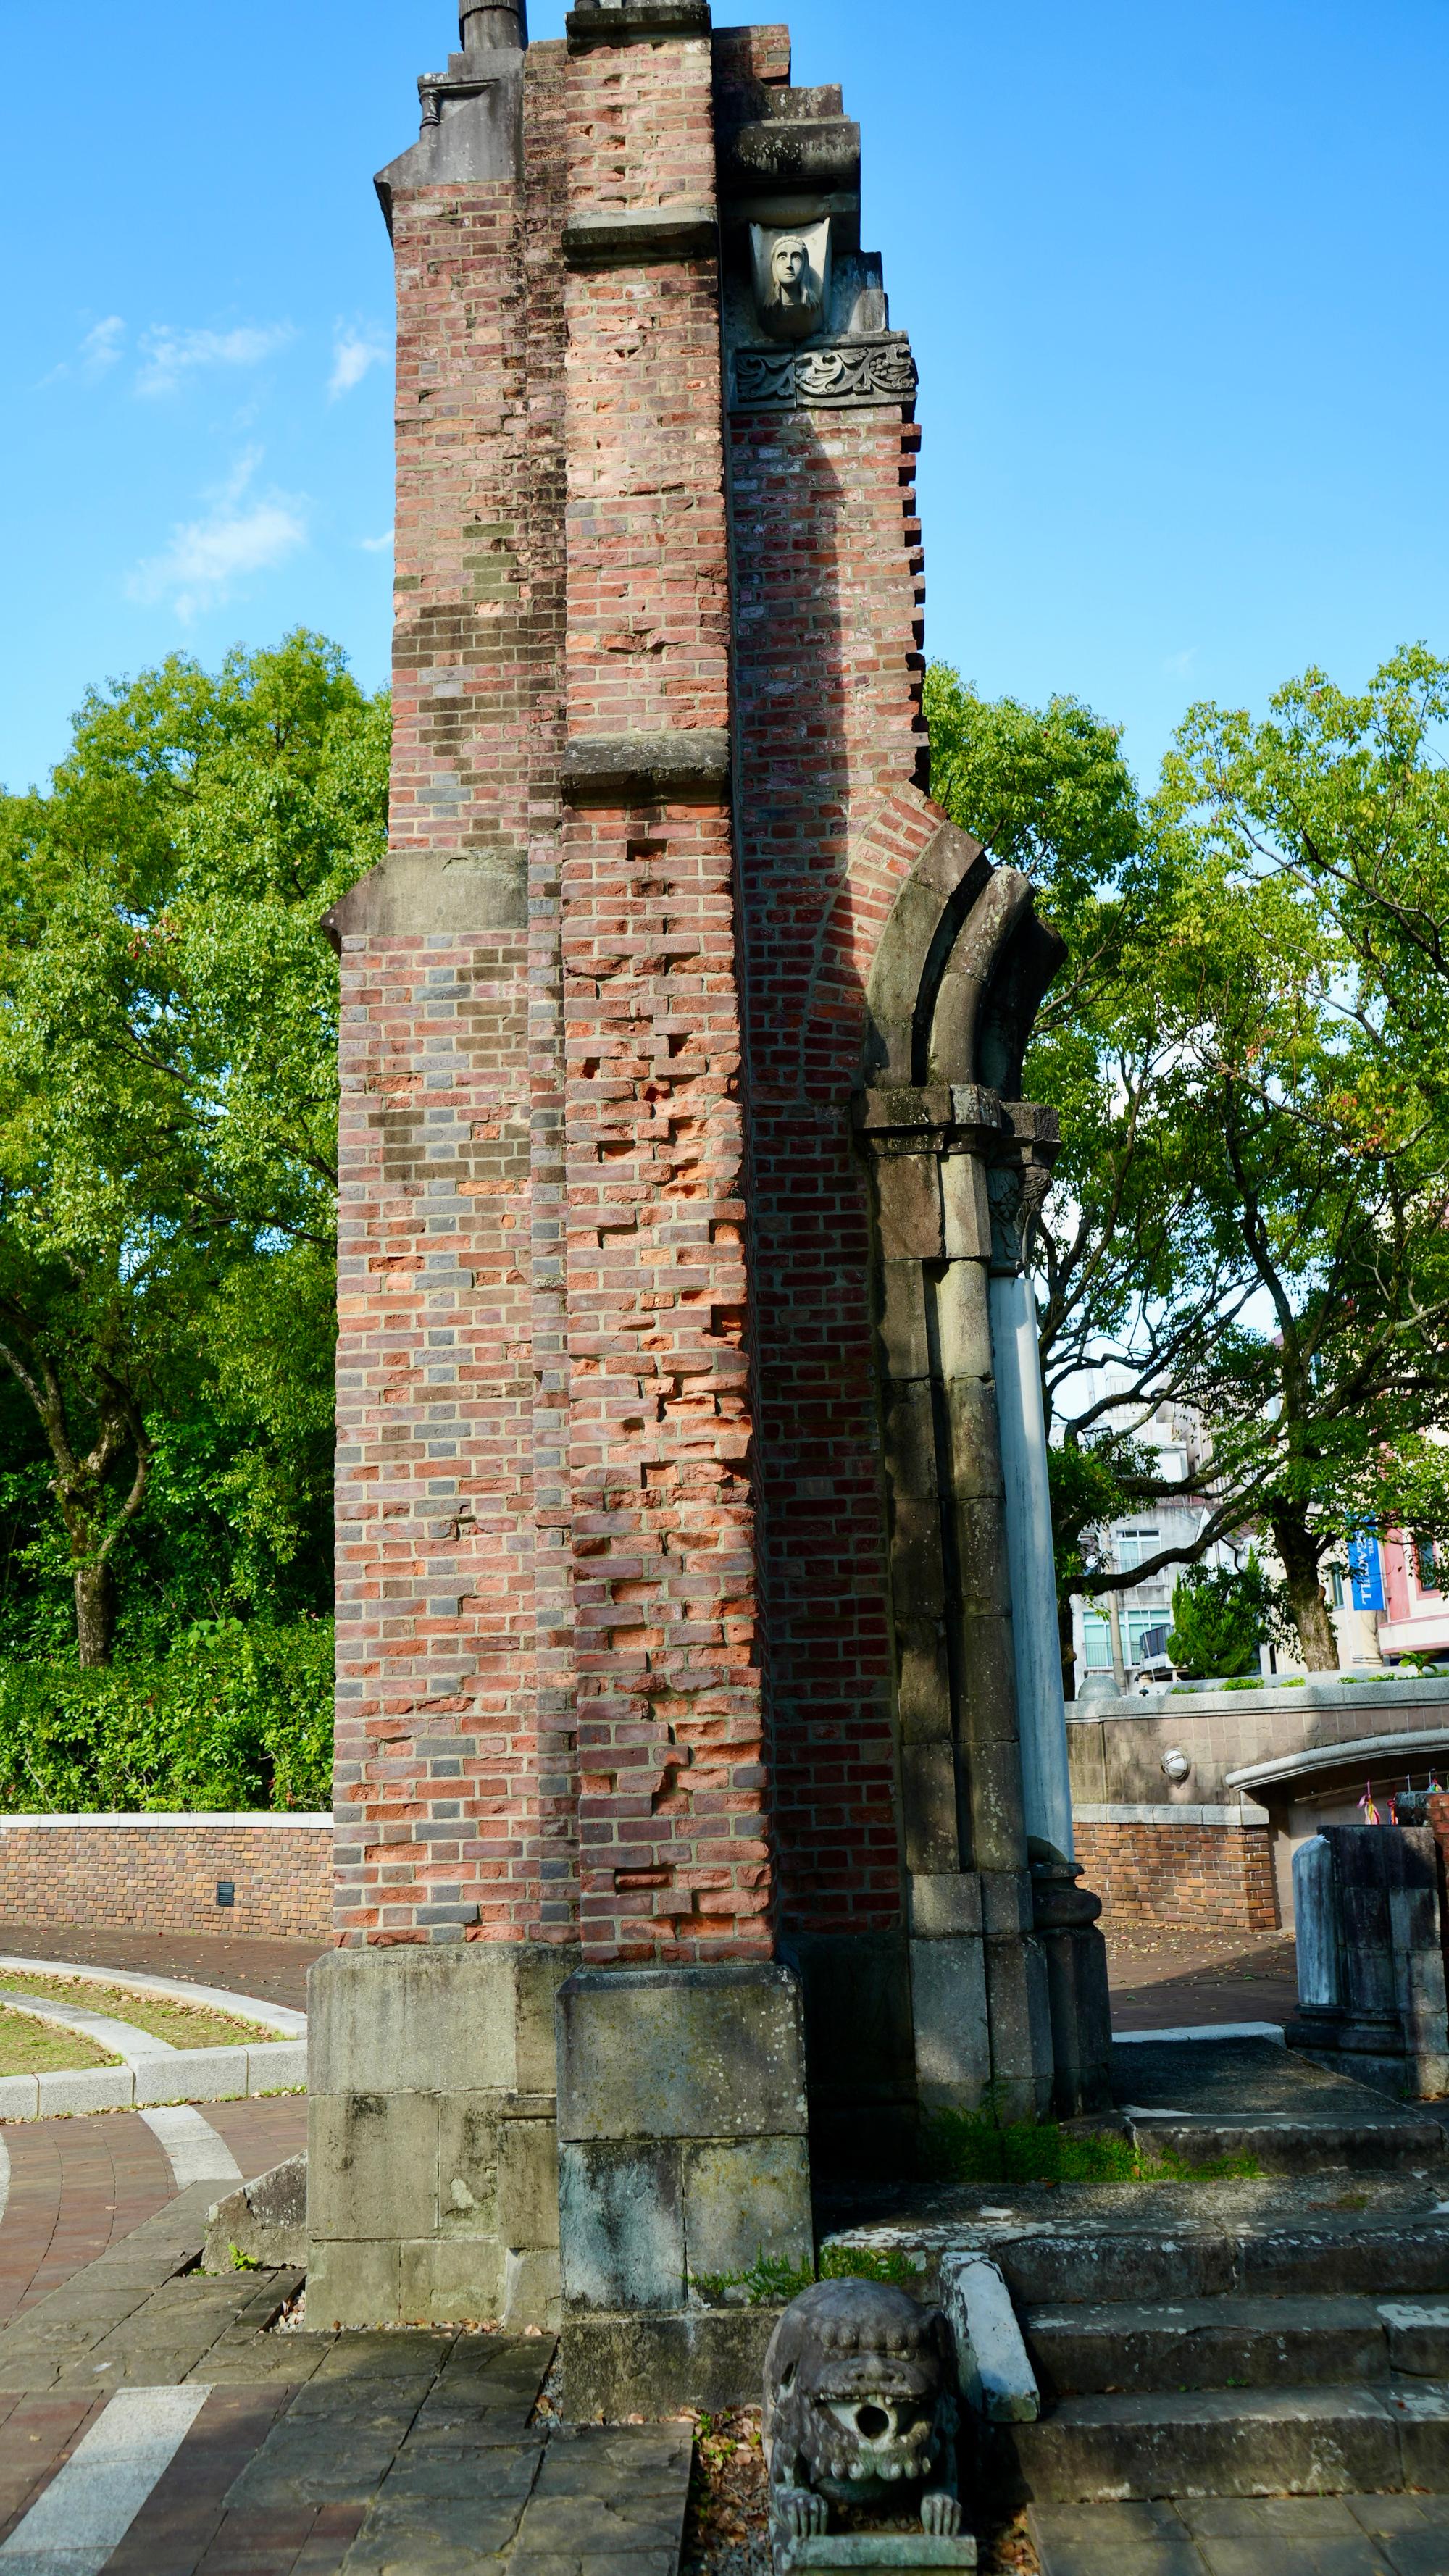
(614, 1657)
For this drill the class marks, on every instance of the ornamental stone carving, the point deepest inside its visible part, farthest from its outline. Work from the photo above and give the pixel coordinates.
(791, 277)
(859, 2410)
(839, 372)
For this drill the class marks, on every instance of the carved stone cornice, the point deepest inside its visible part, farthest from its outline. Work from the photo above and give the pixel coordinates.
(600, 768)
(637, 22)
(831, 374)
(622, 236)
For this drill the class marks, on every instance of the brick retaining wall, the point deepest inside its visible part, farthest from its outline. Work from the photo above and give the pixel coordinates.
(1185, 1877)
(160, 1873)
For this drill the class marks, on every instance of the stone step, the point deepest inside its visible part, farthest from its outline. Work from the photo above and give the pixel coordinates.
(1237, 2442)
(1282, 2145)
(1370, 2253)
(1235, 2342)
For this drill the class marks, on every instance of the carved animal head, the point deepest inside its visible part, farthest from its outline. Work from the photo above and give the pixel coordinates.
(857, 2390)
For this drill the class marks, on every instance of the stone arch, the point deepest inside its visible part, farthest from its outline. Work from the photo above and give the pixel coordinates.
(959, 974)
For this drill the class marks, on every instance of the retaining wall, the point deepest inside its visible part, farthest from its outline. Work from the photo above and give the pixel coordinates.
(1200, 1869)
(160, 1873)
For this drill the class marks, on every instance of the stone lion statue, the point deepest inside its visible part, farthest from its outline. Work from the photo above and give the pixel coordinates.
(859, 2408)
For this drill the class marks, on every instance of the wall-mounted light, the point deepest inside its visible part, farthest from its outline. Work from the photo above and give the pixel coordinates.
(1176, 1764)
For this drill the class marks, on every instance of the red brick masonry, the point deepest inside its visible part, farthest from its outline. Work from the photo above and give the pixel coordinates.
(161, 1873)
(1205, 1878)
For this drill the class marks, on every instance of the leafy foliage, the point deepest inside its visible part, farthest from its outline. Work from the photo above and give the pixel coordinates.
(1251, 1212)
(236, 1715)
(167, 1143)
(1220, 1617)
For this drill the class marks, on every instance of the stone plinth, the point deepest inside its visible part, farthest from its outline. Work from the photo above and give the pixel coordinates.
(1371, 1993)
(683, 2167)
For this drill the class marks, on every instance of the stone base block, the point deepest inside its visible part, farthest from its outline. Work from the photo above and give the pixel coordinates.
(683, 2162)
(614, 2366)
(413, 2281)
(266, 2221)
(432, 2145)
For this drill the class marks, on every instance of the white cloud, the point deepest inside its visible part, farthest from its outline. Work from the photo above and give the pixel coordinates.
(96, 355)
(353, 353)
(207, 556)
(101, 346)
(167, 355)
(377, 545)
(1179, 664)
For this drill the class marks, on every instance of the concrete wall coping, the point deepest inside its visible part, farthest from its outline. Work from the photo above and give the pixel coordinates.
(1184, 1814)
(1352, 1748)
(1426, 1693)
(263, 1818)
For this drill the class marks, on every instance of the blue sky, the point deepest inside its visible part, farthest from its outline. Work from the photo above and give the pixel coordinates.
(1175, 279)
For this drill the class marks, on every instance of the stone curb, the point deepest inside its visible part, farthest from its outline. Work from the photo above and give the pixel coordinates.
(182, 2075)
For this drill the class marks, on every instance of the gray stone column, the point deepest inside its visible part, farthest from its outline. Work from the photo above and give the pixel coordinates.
(432, 2173)
(1040, 1703)
(979, 1996)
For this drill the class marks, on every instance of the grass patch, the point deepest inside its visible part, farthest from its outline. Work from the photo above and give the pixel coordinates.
(772, 2282)
(30, 2047)
(161, 2017)
(971, 2146)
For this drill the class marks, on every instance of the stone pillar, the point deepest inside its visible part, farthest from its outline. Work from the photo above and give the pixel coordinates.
(1036, 1642)
(683, 2167)
(1371, 1990)
(1064, 1915)
(979, 2000)
(432, 2165)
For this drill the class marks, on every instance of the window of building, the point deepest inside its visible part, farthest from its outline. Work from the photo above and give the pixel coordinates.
(1097, 1638)
(1335, 1577)
(1424, 1564)
(1134, 1546)
(1137, 1626)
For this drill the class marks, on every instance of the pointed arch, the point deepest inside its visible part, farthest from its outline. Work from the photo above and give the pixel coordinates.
(960, 972)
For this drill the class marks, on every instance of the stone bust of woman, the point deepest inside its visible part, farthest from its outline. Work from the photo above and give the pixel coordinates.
(789, 286)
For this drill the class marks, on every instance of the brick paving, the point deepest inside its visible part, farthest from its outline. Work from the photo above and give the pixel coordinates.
(37, 2437)
(316, 2452)
(1165, 1980)
(262, 2131)
(75, 2186)
(273, 1971)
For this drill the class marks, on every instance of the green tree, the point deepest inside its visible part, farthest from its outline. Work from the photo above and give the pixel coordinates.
(1250, 1208)
(168, 1097)
(1047, 790)
(1321, 1151)
(1220, 1618)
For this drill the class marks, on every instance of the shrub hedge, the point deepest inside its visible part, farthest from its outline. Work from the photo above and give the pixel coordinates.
(235, 1715)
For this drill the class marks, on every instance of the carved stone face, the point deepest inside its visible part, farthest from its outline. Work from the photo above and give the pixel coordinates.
(791, 278)
(790, 270)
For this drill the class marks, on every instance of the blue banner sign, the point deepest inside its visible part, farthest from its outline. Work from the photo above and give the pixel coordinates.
(1365, 1569)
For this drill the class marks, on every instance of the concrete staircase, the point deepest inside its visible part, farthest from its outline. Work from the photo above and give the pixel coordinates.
(1300, 2345)
(1283, 2336)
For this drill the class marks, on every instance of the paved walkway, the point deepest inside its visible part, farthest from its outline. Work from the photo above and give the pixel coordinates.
(1355, 2535)
(221, 2447)
(272, 1971)
(1159, 1979)
(77, 2186)
(1166, 1980)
